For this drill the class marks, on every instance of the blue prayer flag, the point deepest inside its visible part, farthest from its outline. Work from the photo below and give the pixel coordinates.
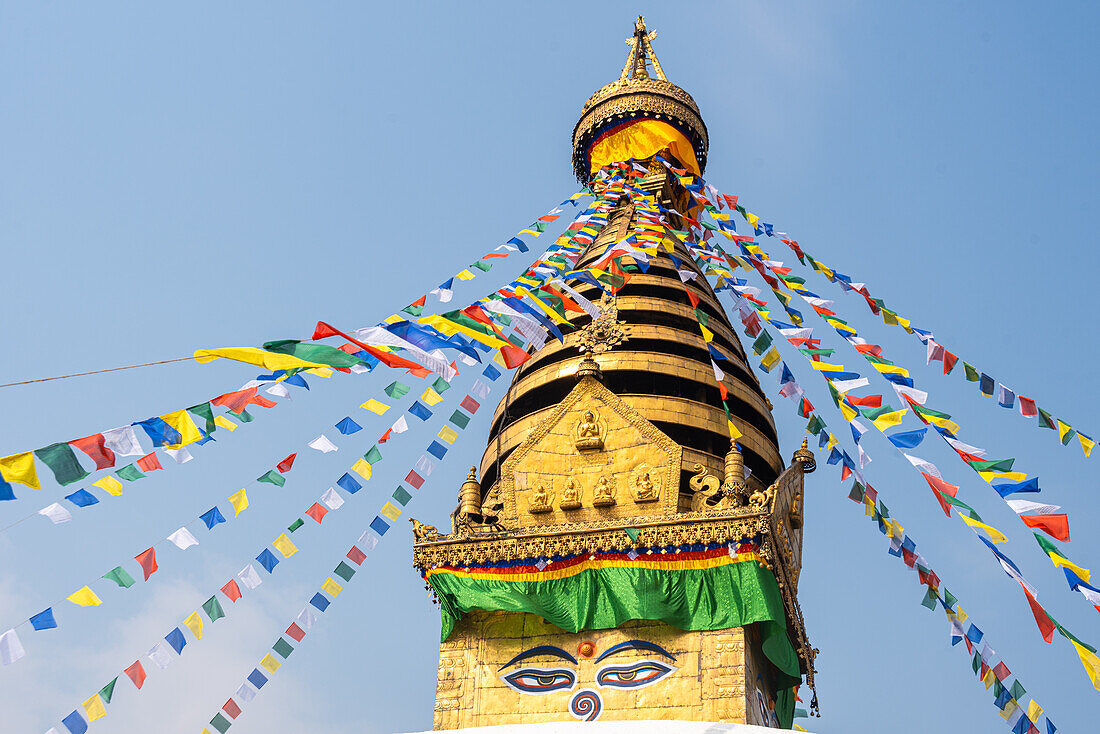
(268, 560)
(437, 449)
(176, 639)
(347, 426)
(908, 439)
(519, 243)
(212, 517)
(44, 620)
(257, 678)
(82, 498)
(898, 379)
(6, 492)
(320, 602)
(297, 381)
(349, 483)
(379, 525)
(420, 411)
(974, 634)
(75, 723)
(834, 456)
(986, 385)
(159, 432)
(1009, 488)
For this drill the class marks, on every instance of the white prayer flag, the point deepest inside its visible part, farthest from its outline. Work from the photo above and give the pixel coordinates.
(1022, 506)
(920, 397)
(249, 577)
(279, 390)
(925, 466)
(424, 466)
(322, 444)
(331, 499)
(480, 389)
(367, 541)
(11, 649)
(400, 426)
(306, 619)
(56, 513)
(181, 455)
(686, 275)
(965, 447)
(1092, 596)
(183, 539)
(123, 441)
(845, 386)
(359, 368)
(719, 375)
(468, 360)
(245, 693)
(159, 655)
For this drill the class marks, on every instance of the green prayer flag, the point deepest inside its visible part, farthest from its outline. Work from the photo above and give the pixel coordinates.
(344, 571)
(975, 662)
(397, 390)
(762, 343)
(108, 691)
(130, 473)
(62, 462)
(460, 419)
(856, 495)
(929, 411)
(702, 317)
(213, 609)
(1018, 690)
(517, 340)
(119, 576)
(295, 525)
(1047, 546)
(998, 687)
(929, 600)
(539, 226)
(816, 425)
(244, 416)
(272, 477)
(632, 533)
(373, 456)
(1046, 420)
(884, 509)
(484, 267)
(402, 496)
(413, 310)
(873, 413)
(440, 385)
(1003, 465)
(317, 353)
(949, 599)
(283, 648)
(220, 723)
(502, 319)
(206, 412)
(972, 374)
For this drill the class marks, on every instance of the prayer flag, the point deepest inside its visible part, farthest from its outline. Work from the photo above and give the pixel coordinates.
(322, 444)
(295, 632)
(212, 517)
(272, 477)
(396, 390)
(75, 723)
(183, 539)
(362, 468)
(986, 385)
(95, 447)
(82, 498)
(379, 525)
(130, 473)
(239, 500)
(284, 546)
(257, 678)
(148, 562)
(213, 609)
(908, 439)
(231, 709)
(107, 692)
(110, 485)
(347, 426)
(437, 449)
(1065, 432)
(11, 648)
(149, 462)
(231, 590)
(193, 622)
(283, 648)
(269, 663)
(420, 411)
(121, 441)
(43, 620)
(176, 639)
(120, 577)
(449, 434)
(249, 576)
(61, 460)
(1086, 443)
(431, 397)
(1056, 526)
(460, 419)
(319, 602)
(375, 406)
(356, 556)
(1005, 397)
(348, 483)
(390, 511)
(136, 673)
(331, 499)
(344, 571)
(469, 405)
(225, 423)
(331, 587)
(285, 465)
(317, 512)
(1027, 407)
(56, 513)
(268, 560)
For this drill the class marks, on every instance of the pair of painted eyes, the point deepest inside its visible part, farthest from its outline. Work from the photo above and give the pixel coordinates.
(541, 680)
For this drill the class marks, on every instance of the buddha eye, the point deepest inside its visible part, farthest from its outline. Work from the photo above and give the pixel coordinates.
(634, 675)
(540, 680)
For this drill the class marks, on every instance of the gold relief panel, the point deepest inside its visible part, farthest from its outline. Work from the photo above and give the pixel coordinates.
(592, 458)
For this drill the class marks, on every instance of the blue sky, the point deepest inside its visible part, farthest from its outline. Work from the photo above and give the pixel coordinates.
(215, 175)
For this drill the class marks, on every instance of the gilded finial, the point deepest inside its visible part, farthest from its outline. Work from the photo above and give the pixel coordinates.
(805, 457)
(471, 476)
(641, 51)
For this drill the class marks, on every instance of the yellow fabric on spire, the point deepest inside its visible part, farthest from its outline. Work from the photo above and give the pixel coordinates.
(284, 546)
(182, 422)
(84, 597)
(110, 485)
(641, 139)
(239, 500)
(254, 355)
(331, 588)
(20, 468)
(194, 623)
(94, 708)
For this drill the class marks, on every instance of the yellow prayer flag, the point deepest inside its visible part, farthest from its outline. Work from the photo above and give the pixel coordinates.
(963, 616)
(84, 597)
(194, 623)
(375, 406)
(734, 433)
(396, 318)
(769, 359)
(390, 511)
(1062, 562)
(449, 328)
(182, 422)
(848, 411)
(1008, 710)
(995, 535)
(1091, 663)
(362, 468)
(270, 664)
(988, 678)
(1012, 476)
(20, 468)
(499, 359)
(826, 367)
(752, 219)
(950, 425)
(254, 355)
(94, 708)
(325, 372)
(1063, 429)
(464, 275)
(1086, 443)
(284, 546)
(221, 420)
(708, 335)
(239, 501)
(886, 420)
(554, 316)
(431, 397)
(891, 369)
(1034, 710)
(448, 434)
(110, 485)
(331, 588)
(833, 441)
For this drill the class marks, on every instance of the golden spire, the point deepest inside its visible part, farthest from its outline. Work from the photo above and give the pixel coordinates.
(641, 50)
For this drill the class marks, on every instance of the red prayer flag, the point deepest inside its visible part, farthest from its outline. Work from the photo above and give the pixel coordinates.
(949, 360)
(1027, 406)
(513, 356)
(874, 349)
(235, 401)
(231, 590)
(285, 465)
(148, 561)
(317, 512)
(1056, 526)
(295, 632)
(136, 673)
(324, 331)
(263, 402)
(385, 436)
(149, 462)
(870, 401)
(845, 472)
(356, 556)
(693, 298)
(94, 447)
(415, 480)
(469, 404)
(1001, 671)
(1042, 619)
(232, 709)
(940, 487)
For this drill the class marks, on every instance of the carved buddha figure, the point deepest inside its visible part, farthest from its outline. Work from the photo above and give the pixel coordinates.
(604, 494)
(588, 432)
(570, 497)
(644, 489)
(542, 500)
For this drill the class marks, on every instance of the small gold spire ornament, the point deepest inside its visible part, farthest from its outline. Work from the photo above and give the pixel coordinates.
(600, 335)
